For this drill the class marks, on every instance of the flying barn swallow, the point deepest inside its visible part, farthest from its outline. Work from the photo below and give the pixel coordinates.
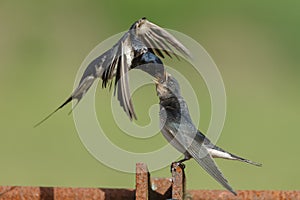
(178, 128)
(143, 37)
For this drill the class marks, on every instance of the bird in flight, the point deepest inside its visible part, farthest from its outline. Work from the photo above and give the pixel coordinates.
(143, 37)
(178, 128)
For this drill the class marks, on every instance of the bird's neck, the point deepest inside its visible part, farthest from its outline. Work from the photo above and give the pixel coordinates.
(172, 107)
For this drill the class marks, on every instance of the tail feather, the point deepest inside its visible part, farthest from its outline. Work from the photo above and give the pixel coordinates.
(246, 160)
(61, 106)
(218, 152)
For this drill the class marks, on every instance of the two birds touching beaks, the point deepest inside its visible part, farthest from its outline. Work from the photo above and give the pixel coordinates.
(141, 47)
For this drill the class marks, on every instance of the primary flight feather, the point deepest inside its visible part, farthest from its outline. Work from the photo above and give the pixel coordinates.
(143, 37)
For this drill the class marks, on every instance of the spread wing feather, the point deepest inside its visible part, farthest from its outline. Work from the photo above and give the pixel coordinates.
(123, 83)
(115, 60)
(160, 36)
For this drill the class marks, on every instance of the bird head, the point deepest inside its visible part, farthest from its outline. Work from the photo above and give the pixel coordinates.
(167, 87)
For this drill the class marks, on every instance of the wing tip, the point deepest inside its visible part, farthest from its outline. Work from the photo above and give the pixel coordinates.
(234, 192)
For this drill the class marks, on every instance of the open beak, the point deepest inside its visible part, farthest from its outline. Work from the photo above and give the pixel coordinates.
(165, 75)
(155, 81)
(159, 86)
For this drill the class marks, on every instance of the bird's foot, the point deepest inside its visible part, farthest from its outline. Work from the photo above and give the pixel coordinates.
(174, 165)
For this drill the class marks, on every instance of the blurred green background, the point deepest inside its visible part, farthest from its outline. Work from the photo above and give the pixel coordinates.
(255, 44)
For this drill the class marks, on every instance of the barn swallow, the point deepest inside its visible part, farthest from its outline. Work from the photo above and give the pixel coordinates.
(142, 37)
(178, 128)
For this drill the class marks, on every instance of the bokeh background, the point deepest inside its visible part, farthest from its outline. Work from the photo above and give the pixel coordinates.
(255, 44)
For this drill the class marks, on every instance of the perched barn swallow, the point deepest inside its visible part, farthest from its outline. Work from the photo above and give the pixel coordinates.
(142, 37)
(178, 128)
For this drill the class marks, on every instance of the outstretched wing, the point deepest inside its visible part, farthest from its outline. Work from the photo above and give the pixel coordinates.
(104, 67)
(143, 36)
(158, 39)
(121, 80)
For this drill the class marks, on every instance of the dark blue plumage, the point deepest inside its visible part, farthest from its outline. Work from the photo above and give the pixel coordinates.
(178, 128)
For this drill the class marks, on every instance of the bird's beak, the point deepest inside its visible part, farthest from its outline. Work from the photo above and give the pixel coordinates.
(159, 87)
(165, 75)
(155, 81)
